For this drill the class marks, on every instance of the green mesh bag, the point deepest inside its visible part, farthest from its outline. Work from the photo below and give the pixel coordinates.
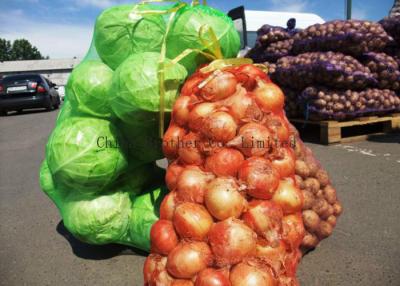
(83, 154)
(119, 33)
(100, 166)
(88, 88)
(135, 86)
(47, 185)
(185, 29)
(145, 212)
(97, 219)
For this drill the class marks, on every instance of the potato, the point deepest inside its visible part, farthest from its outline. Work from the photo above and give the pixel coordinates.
(329, 211)
(322, 177)
(337, 209)
(320, 206)
(324, 230)
(308, 200)
(311, 220)
(299, 181)
(310, 241)
(331, 220)
(330, 194)
(312, 185)
(302, 169)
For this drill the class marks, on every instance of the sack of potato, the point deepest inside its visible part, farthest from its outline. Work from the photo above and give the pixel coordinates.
(323, 103)
(384, 68)
(392, 26)
(331, 69)
(321, 207)
(353, 37)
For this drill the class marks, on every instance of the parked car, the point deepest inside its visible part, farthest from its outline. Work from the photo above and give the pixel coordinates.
(27, 91)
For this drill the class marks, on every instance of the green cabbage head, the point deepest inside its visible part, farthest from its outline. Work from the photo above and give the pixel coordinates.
(84, 154)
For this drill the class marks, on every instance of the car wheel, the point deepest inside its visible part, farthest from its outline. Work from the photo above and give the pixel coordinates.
(3, 113)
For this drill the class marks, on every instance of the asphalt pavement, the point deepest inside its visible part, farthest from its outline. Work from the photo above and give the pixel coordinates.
(35, 249)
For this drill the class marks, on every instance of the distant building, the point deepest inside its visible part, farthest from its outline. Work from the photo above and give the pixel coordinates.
(56, 70)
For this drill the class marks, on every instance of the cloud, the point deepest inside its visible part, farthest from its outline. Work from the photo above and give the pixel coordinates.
(290, 5)
(100, 3)
(52, 39)
(359, 13)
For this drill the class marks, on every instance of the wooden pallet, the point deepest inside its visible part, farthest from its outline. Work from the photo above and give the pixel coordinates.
(331, 130)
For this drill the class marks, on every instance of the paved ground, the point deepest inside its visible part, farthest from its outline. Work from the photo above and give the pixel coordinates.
(36, 250)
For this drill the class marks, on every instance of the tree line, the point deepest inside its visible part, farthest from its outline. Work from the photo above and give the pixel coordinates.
(18, 50)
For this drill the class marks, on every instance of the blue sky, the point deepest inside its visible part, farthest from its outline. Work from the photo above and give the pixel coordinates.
(63, 29)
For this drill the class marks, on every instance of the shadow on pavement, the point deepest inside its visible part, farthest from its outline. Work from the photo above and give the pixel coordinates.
(96, 252)
(27, 111)
(386, 138)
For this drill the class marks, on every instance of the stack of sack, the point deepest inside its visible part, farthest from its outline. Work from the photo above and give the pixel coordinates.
(337, 70)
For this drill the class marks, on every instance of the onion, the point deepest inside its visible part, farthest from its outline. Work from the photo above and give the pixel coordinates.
(247, 275)
(225, 162)
(285, 162)
(192, 221)
(223, 199)
(219, 126)
(189, 258)
(171, 141)
(163, 237)
(191, 85)
(199, 113)
(253, 140)
(192, 185)
(273, 256)
(221, 85)
(292, 261)
(181, 282)
(188, 150)
(260, 177)
(293, 230)
(231, 241)
(264, 217)
(269, 96)
(238, 104)
(212, 277)
(168, 206)
(154, 271)
(180, 111)
(253, 72)
(288, 196)
(172, 174)
(279, 127)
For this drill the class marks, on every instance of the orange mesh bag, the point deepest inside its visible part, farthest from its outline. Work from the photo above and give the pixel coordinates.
(234, 212)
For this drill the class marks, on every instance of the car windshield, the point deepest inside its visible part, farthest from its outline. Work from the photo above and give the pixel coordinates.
(22, 77)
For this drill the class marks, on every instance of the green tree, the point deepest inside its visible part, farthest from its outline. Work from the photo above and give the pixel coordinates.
(5, 50)
(23, 50)
(20, 49)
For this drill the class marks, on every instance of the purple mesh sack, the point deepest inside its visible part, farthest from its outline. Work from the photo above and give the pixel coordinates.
(353, 37)
(334, 70)
(323, 103)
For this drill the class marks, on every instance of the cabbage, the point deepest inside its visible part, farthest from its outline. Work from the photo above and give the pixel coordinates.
(144, 215)
(65, 112)
(88, 88)
(143, 141)
(118, 34)
(97, 220)
(47, 184)
(83, 154)
(136, 89)
(184, 34)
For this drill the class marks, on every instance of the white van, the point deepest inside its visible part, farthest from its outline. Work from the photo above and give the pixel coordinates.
(247, 22)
